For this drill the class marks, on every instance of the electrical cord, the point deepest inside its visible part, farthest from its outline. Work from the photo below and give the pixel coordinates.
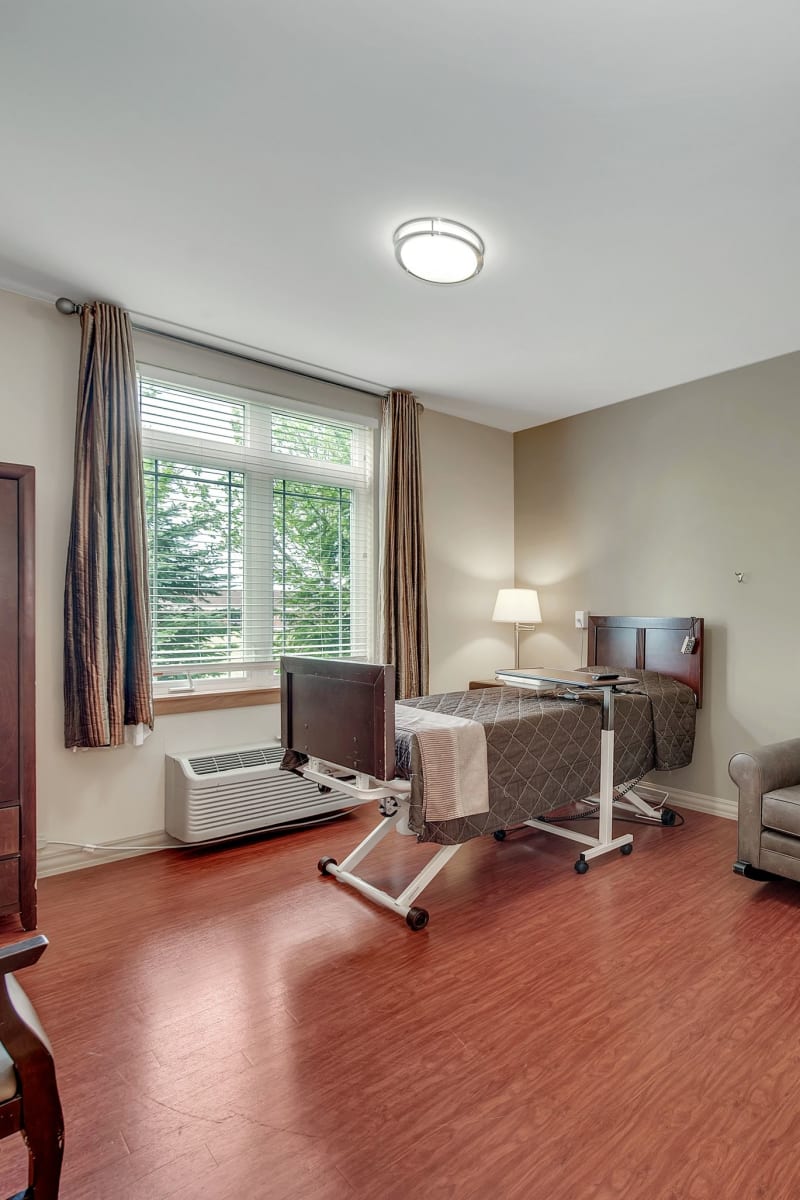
(619, 793)
(592, 812)
(90, 847)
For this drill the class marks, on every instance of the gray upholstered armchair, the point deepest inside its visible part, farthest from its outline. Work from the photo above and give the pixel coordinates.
(768, 779)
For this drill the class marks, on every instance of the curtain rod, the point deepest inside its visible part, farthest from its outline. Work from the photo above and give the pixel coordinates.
(139, 321)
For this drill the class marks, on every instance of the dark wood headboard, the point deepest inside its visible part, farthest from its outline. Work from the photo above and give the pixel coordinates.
(340, 711)
(649, 644)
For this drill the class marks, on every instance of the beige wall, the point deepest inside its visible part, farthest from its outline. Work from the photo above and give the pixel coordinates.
(649, 507)
(101, 795)
(96, 795)
(469, 499)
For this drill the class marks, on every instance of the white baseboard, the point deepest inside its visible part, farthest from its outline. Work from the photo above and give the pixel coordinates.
(716, 806)
(56, 858)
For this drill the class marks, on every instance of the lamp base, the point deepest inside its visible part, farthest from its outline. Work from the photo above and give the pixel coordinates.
(517, 626)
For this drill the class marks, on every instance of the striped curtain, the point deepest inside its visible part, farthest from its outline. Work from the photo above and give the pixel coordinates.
(107, 674)
(403, 585)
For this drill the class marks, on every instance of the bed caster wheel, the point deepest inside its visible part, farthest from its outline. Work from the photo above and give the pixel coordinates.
(668, 816)
(499, 835)
(324, 863)
(627, 848)
(581, 866)
(417, 918)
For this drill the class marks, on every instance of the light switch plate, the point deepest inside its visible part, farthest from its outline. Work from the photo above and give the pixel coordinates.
(581, 618)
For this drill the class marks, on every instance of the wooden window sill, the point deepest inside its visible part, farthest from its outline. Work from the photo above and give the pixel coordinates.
(208, 701)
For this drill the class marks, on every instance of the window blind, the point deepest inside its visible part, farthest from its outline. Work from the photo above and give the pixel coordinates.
(260, 529)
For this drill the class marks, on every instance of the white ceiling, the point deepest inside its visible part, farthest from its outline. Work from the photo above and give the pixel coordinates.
(239, 168)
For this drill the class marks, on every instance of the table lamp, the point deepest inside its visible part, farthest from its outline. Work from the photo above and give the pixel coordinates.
(520, 607)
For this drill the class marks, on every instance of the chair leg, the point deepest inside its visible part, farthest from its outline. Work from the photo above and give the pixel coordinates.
(44, 1166)
(44, 1136)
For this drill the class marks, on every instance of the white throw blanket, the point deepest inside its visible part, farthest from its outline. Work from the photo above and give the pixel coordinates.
(454, 763)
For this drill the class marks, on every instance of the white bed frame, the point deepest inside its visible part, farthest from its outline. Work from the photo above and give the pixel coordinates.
(393, 802)
(368, 754)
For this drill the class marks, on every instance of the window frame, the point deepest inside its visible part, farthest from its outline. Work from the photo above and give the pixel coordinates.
(260, 468)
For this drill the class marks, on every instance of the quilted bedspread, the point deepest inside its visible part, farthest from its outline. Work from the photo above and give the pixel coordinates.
(544, 751)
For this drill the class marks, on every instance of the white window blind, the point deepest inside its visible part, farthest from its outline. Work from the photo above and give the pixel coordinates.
(260, 529)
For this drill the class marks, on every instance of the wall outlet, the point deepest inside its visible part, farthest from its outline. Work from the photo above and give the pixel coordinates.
(581, 618)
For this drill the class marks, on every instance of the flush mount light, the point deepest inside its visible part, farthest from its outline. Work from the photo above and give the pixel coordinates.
(438, 250)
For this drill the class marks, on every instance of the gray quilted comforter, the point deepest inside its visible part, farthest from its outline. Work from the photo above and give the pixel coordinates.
(544, 751)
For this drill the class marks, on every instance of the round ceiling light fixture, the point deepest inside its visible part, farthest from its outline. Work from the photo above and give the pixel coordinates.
(438, 250)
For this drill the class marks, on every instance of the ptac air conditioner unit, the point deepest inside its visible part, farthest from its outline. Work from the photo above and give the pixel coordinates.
(219, 793)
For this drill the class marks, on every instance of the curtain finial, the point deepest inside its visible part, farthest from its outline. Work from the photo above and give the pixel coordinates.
(67, 307)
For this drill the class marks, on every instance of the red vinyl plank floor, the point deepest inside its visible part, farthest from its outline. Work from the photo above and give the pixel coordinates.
(227, 1023)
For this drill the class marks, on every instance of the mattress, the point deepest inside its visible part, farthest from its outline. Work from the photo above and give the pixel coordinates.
(543, 750)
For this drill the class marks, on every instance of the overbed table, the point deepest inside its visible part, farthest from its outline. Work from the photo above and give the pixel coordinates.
(533, 677)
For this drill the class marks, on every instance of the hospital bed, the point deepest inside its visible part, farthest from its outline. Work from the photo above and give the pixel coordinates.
(340, 727)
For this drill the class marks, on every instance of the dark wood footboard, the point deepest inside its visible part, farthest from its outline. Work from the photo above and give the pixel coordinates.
(340, 711)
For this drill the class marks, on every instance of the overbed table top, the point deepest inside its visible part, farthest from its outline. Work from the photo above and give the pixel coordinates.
(584, 679)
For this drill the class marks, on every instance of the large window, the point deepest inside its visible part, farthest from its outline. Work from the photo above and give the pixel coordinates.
(259, 523)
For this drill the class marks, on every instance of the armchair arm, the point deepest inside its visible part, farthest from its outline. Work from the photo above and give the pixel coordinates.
(22, 954)
(29, 1049)
(767, 767)
(761, 770)
(21, 1031)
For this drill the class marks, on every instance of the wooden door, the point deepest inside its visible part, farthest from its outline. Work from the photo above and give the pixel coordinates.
(17, 698)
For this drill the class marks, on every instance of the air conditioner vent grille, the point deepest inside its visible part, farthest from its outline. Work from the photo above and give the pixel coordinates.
(217, 764)
(233, 790)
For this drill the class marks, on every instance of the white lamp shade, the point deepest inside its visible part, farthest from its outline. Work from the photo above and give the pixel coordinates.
(518, 605)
